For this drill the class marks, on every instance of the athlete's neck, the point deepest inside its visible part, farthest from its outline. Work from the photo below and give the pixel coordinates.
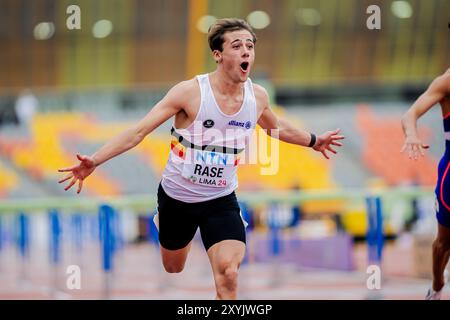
(225, 86)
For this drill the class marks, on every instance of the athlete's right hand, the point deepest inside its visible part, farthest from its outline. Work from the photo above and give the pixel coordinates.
(78, 172)
(414, 147)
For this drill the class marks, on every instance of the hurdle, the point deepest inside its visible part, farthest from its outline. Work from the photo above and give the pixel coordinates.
(24, 211)
(77, 232)
(375, 233)
(22, 235)
(375, 237)
(106, 216)
(152, 230)
(55, 246)
(276, 221)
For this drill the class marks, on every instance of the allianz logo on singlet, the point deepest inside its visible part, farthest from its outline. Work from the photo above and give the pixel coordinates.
(246, 125)
(209, 157)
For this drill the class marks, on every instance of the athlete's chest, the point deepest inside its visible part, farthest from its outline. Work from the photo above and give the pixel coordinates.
(229, 105)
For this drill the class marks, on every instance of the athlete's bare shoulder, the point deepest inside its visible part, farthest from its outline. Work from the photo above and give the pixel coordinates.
(185, 94)
(443, 82)
(442, 86)
(446, 79)
(261, 96)
(186, 89)
(260, 91)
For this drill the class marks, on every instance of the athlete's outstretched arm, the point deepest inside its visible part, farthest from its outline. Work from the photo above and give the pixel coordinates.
(435, 92)
(285, 131)
(171, 104)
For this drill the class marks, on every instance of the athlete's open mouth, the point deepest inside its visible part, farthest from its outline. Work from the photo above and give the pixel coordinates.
(244, 66)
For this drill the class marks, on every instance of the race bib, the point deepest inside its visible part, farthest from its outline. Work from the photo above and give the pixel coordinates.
(210, 168)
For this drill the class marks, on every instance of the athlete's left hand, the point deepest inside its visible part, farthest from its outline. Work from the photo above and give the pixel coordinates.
(326, 140)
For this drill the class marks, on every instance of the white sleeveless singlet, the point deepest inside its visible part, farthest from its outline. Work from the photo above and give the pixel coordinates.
(203, 160)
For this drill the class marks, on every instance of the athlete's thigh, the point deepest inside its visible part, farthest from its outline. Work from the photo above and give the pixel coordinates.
(176, 221)
(175, 257)
(221, 220)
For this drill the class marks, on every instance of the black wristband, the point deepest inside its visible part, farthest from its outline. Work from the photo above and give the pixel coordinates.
(313, 140)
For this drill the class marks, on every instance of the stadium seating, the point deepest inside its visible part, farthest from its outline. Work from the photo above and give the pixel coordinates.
(383, 140)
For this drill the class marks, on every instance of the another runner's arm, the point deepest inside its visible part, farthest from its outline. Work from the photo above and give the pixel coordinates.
(435, 92)
(170, 105)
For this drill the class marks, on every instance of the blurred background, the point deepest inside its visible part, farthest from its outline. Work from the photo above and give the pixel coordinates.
(315, 225)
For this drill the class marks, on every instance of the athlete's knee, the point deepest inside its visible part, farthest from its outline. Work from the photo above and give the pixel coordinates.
(174, 260)
(229, 275)
(171, 267)
(441, 244)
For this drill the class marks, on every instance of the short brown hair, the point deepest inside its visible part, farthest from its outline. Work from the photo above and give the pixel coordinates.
(218, 29)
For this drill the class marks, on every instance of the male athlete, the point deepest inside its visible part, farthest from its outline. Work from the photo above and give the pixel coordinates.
(215, 114)
(437, 92)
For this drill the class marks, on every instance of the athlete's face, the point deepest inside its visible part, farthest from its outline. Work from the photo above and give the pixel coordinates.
(238, 54)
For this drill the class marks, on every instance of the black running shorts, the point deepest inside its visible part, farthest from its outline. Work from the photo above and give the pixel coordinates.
(219, 219)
